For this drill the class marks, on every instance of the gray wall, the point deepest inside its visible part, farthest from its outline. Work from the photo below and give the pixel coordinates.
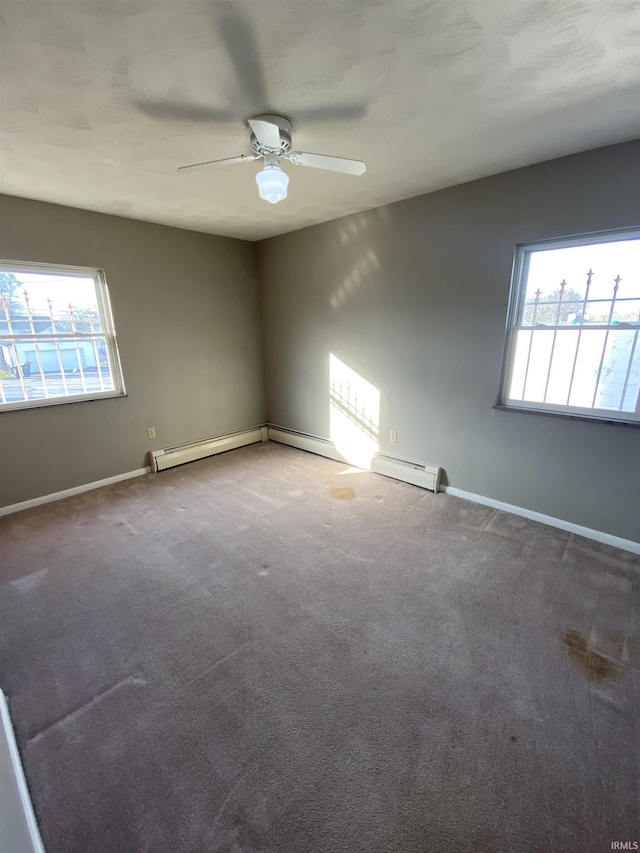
(186, 313)
(413, 296)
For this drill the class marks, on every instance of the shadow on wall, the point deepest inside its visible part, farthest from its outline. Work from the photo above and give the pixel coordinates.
(354, 414)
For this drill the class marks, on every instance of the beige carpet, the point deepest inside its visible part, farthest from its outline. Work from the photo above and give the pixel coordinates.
(263, 652)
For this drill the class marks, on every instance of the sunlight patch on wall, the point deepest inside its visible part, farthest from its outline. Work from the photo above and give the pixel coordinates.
(358, 273)
(354, 414)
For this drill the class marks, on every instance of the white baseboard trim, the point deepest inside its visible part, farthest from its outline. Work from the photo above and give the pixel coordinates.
(560, 523)
(18, 827)
(76, 490)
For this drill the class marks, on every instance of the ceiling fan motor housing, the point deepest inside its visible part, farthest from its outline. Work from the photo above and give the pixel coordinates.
(284, 126)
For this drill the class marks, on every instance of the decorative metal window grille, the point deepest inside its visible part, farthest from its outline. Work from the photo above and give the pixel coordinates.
(57, 339)
(574, 323)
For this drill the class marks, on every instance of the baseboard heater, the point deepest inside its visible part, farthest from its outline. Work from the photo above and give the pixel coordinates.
(425, 476)
(416, 473)
(178, 455)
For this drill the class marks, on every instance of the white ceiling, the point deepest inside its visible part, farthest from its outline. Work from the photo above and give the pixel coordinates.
(101, 100)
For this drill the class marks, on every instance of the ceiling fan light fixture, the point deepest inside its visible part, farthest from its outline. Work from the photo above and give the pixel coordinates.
(271, 140)
(272, 183)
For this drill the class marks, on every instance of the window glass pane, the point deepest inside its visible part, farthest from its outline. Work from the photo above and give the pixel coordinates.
(631, 398)
(48, 369)
(548, 268)
(539, 361)
(564, 354)
(590, 353)
(523, 342)
(44, 302)
(617, 369)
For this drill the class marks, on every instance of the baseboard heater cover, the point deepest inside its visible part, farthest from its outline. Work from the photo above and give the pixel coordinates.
(311, 443)
(425, 476)
(178, 455)
(416, 473)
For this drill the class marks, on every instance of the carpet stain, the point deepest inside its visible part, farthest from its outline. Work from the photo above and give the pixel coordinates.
(595, 666)
(342, 494)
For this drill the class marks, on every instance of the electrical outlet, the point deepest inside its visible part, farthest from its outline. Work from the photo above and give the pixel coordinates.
(151, 432)
(393, 435)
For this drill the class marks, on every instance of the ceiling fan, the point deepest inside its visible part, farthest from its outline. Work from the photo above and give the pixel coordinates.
(271, 140)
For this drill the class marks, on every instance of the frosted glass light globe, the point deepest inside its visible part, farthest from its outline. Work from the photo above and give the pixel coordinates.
(272, 183)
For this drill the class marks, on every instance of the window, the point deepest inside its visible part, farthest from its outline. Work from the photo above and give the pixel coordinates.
(574, 319)
(57, 341)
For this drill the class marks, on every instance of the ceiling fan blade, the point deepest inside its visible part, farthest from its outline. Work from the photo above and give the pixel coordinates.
(342, 112)
(266, 133)
(165, 110)
(239, 41)
(243, 158)
(324, 161)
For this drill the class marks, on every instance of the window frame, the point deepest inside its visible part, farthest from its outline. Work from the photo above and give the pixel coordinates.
(108, 333)
(517, 297)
